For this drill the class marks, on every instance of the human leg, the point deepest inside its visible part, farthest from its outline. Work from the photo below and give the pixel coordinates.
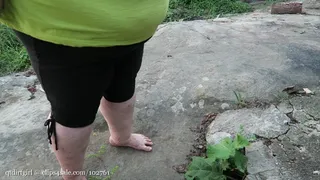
(72, 79)
(117, 105)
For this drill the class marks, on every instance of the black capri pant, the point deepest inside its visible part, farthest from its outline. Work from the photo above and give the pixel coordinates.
(76, 78)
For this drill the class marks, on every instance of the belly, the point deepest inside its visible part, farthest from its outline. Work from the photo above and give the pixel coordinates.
(111, 20)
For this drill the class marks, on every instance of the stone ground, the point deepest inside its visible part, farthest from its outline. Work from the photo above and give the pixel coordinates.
(190, 69)
(287, 145)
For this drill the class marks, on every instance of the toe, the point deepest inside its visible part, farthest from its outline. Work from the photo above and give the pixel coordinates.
(146, 148)
(148, 143)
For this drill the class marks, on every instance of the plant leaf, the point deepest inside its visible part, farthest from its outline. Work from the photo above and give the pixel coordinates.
(210, 151)
(240, 161)
(241, 132)
(223, 150)
(224, 165)
(240, 142)
(204, 169)
(210, 160)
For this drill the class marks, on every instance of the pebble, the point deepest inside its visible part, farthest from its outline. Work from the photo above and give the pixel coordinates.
(316, 172)
(201, 104)
(225, 106)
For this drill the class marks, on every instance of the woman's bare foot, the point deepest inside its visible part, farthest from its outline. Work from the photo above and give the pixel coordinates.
(136, 141)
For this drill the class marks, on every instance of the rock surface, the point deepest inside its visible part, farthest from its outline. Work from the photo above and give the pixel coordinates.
(225, 106)
(269, 123)
(311, 7)
(288, 156)
(217, 137)
(261, 163)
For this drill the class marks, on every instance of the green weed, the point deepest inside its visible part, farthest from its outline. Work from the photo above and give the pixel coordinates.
(101, 152)
(13, 56)
(226, 156)
(98, 155)
(240, 100)
(199, 9)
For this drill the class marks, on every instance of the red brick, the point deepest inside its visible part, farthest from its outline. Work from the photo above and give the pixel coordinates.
(286, 8)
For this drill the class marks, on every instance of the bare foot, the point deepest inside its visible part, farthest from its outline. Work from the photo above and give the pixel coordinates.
(136, 141)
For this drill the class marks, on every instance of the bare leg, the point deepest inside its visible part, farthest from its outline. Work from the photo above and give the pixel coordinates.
(119, 117)
(72, 144)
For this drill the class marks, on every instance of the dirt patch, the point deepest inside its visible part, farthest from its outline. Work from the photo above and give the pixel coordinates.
(257, 104)
(200, 144)
(29, 72)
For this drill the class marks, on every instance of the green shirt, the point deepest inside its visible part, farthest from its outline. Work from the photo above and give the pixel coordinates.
(86, 22)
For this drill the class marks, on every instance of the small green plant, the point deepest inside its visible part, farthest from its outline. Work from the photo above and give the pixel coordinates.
(240, 99)
(114, 170)
(101, 151)
(222, 160)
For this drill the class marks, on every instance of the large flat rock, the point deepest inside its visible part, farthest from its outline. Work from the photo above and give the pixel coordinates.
(268, 123)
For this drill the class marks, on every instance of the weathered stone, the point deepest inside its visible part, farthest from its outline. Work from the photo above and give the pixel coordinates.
(217, 137)
(286, 8)
(268, 175)
(285, 107)
(297, 160)
(251, 177)
(300, 116)
(269, 123)
(307, 105)
(260, 160)
(261, 164)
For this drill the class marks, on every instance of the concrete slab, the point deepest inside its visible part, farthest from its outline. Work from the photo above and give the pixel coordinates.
(189, 69)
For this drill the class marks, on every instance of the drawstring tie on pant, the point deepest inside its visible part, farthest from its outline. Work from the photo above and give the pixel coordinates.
(51, 129)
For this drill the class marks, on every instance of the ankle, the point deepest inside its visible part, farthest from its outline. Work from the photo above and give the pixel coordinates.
(119, 140)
